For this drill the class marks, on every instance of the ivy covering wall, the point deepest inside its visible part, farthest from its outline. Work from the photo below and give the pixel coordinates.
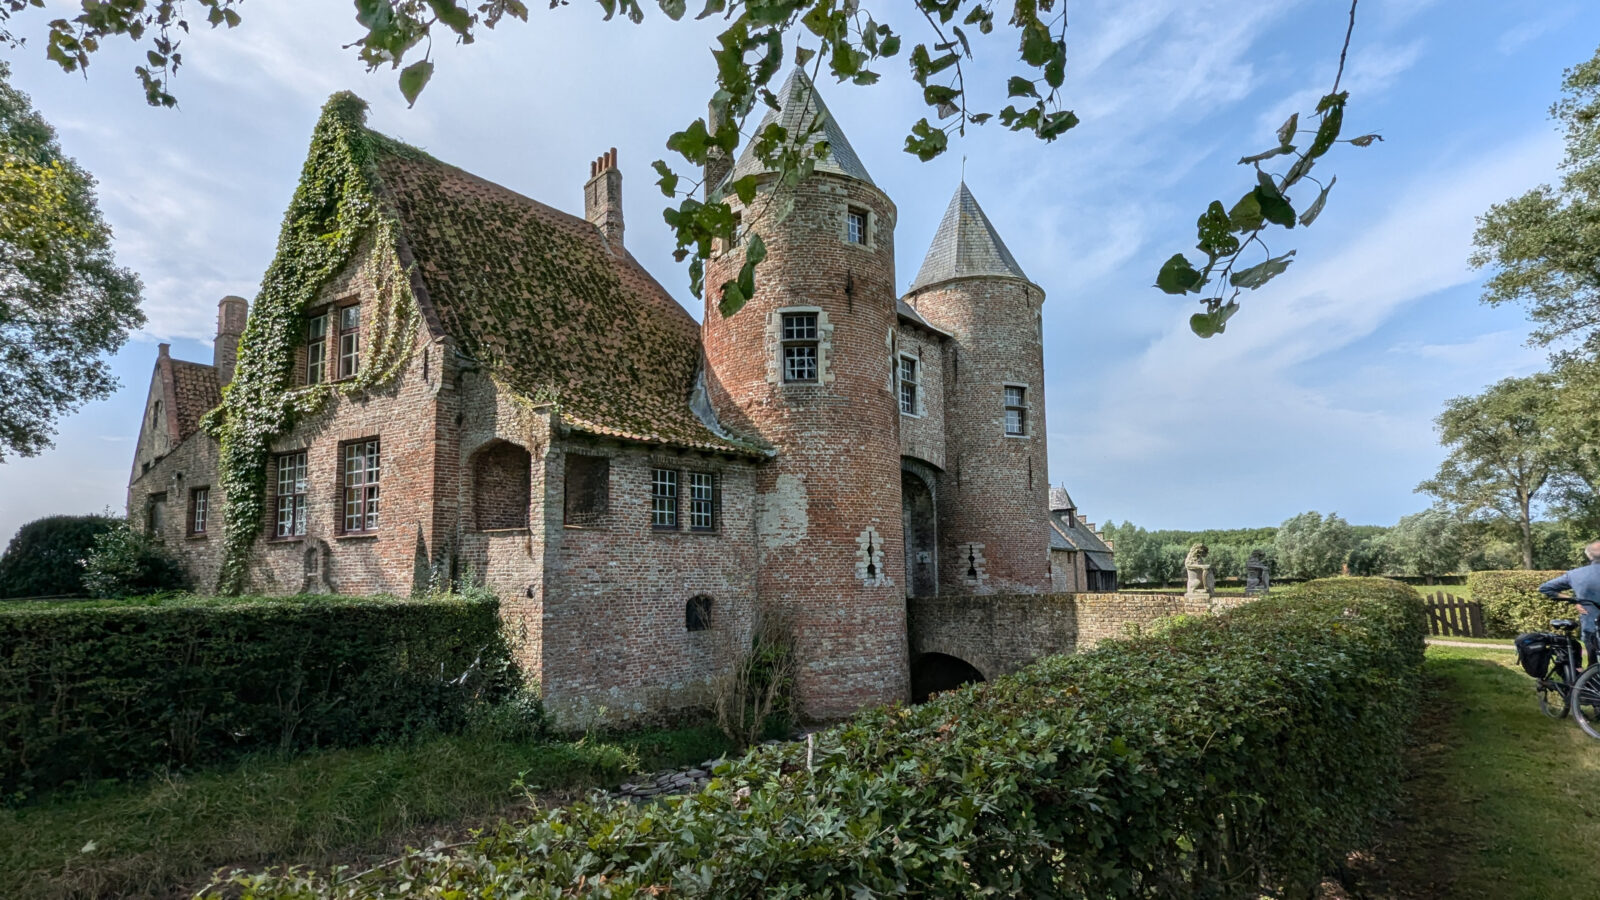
(336, 215)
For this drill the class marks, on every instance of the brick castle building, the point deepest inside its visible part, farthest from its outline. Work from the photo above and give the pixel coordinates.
(637, 487)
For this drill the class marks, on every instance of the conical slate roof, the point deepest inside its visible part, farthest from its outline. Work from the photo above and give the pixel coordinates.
(799, 105)
(965, 246)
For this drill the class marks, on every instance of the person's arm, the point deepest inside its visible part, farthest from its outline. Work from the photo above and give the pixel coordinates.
(1556, 585)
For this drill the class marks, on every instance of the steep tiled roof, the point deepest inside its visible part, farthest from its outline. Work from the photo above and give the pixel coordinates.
(196, 392)
(536, 295)
(799, 105)
(1070, 534)
(965, 246)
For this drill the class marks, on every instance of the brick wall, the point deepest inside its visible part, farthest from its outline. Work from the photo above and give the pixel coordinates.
(190, 465)
(922, 435)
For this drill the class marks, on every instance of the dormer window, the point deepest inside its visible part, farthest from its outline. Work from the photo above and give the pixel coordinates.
(800, 341)
(855, 225)
(349, 341)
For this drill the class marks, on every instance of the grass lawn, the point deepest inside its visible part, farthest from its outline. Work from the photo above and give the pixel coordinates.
(162, 838)
(1457, 591)
(1499, 802)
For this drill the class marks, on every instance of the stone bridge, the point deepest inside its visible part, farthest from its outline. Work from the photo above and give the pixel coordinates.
(955, 640)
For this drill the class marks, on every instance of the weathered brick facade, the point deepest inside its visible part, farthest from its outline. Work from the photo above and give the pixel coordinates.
(638, 488)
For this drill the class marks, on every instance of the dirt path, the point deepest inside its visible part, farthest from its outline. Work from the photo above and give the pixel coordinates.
(1446, 642)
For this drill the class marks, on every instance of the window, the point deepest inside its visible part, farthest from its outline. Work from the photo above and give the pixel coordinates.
(908, 385)
(588, 488)
(800, 347)
(1016, 411)
(663, 498)
(156, 515)
(291, 495)
(702, 501)
(697, 613)
(855, 225)
(199, 509)
(349, 341)
(155, 415)
(317, 349)
(361, 469)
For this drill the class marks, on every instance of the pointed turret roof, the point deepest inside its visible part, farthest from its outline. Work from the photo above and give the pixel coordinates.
(799, 106)
(965, 246)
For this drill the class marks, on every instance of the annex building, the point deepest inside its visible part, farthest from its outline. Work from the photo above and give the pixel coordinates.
(444, 379)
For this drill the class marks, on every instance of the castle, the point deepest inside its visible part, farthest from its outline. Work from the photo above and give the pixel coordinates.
(479, 385)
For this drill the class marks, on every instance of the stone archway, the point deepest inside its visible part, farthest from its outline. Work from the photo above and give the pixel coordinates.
(920, 524)
(935, 672)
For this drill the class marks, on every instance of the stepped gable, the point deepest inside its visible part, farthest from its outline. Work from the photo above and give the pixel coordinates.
(536, 295)
(965, 246)
(799, 106)
(196, 391)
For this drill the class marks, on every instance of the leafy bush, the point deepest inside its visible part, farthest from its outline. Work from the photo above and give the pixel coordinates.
(117, 690)
(125, 563)
(1229, 756)
(1512, 603)
(46, 557)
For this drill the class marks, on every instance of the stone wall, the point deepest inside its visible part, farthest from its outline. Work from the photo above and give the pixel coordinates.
(922, 434)
(999, 634)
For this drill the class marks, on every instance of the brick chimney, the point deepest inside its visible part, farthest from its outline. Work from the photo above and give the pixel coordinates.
(718, 163)
(602, 198)
(231, 313)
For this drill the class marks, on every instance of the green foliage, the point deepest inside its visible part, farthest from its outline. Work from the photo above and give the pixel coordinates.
(1311, 546)
(1503, 450)
(1431, 542)
(117, 690)
(126, 563)
(334, 214)
(1228, 756)
(45, 558)
(1512, 603)
(1156, 557)
(65, 302)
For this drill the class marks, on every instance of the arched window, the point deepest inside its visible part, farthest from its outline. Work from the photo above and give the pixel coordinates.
(501, 490)
(697, 613)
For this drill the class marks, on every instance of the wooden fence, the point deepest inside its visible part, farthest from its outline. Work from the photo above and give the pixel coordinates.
(1450, 616)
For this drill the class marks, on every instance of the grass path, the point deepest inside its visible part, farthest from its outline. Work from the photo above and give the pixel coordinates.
(1499, 801)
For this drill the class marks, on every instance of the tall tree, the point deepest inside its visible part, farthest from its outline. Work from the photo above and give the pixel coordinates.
(1543, 245)
(64, 302)
(1311, 546)
(1428, 543)
(1503, 453)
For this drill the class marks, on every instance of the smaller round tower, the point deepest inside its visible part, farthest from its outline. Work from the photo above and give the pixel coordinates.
(994, 499)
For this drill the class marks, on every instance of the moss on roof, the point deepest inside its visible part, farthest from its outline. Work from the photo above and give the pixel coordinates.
(538, 297)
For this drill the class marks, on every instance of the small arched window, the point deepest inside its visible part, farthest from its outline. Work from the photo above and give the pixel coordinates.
(697, 613)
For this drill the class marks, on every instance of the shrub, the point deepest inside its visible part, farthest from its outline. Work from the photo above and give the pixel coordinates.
(1512, 603)
(119, 690)
(1233, 756)
(125, 563)
(46, 557)
(757, 691)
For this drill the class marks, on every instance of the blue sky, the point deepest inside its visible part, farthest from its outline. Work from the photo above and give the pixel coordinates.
(1320, 396)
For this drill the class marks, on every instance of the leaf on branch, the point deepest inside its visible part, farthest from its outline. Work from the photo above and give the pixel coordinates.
(1216, 232)
(1315, 209)
(1287, 129)
(925, 141)
(1275, 207)
(1246, 214)
(1209, 324)
(1261, 273)
(1179, 276)
(669, 178)
(1260, 157)
(1332, 107)
(1365, 140)
(414, 78)
(1017, 86)
(673, 8)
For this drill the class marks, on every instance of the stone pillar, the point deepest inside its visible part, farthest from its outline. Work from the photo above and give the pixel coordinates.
(1257, 580)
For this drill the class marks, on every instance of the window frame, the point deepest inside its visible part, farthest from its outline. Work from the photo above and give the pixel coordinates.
(297, 498)
(812, 342)
(353, 334)
(368, 489)
(851, 215)
(316, 371)
(199, 510)
(1020, 408)
(712, 501)
(664, 498)
(915, 383)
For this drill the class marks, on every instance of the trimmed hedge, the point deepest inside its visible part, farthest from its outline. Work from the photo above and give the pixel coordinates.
(1212, 758)
(1512, 603)
(115, 690)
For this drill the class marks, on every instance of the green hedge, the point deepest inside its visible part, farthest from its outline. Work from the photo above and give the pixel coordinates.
(1213, 758)
(46, 556)
(98, 691)
(1512, 603)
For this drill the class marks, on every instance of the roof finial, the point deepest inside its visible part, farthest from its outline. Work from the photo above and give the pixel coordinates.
(963, 168)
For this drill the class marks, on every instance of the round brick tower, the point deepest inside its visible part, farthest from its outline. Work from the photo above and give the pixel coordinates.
(994, 500)
(805, 366)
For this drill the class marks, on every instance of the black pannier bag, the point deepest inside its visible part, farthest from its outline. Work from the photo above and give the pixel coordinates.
(1534, 652)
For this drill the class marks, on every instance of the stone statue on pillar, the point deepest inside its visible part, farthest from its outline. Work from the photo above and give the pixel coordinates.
(1257, 580)
(1201, 581)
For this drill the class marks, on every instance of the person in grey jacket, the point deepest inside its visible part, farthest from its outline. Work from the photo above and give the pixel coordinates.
(1584, 584)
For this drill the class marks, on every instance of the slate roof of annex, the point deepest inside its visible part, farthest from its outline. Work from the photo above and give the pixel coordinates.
(799, 105)
(538, 297)
(965, 246)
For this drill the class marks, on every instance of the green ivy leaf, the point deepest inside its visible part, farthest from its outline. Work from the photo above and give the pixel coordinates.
(414, 78)
(669, 178)
(1179, 276)
(1261, 273)
(744, 188)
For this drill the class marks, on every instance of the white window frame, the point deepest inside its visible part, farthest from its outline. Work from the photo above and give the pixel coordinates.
(361, 493)
(291, 495)
(813, 342)
(200, 509)
(317, 348)
(349, 341)
(864, 239)
(702, 501)
(915, 384)
(664, 499)
(1020, 408)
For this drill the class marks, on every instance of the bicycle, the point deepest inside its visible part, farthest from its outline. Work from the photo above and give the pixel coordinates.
(1556, 663)
(1586, 701)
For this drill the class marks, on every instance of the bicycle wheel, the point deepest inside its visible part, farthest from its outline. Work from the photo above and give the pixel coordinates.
(1553, 693)
(1586, 702)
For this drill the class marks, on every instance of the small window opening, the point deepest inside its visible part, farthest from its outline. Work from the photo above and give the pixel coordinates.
(317, 349)
(1016, 410)
(664, 498)
(702, 501)
(872, 568)
(800, 342)
(908, 385)
(855, 222)
(349, 341)
(199, 509)
(697, 613)
(972, 562)
(588, 488)
(156, 515)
